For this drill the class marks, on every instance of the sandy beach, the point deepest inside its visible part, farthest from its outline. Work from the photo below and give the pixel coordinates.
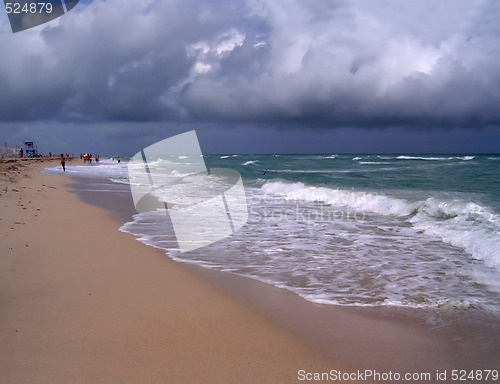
(81, 302)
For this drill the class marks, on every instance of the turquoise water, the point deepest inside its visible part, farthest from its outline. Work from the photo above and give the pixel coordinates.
(432, 173)
(402, 230)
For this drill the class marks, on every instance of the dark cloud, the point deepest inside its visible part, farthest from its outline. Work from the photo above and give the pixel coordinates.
(280, 63)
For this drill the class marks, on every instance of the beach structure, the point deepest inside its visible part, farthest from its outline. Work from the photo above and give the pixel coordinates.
(30, 149)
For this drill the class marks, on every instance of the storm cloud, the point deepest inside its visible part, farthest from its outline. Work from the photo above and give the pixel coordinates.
(335, 62)
(283, 63)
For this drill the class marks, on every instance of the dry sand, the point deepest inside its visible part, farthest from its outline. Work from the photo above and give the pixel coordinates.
(81, 302)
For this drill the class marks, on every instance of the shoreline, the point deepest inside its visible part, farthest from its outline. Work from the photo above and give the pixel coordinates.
(313, 322)
(322, 337)
(82, 302)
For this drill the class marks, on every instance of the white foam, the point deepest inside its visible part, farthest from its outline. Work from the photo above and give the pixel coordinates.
(464, 224)
(421, 158)
(105, 168)
(465, 158)
(461, 223)
(441, 303)
(250, 162)
(362, 201)
(385, 157)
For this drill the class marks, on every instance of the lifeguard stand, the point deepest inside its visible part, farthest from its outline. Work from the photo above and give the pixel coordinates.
(30, 149)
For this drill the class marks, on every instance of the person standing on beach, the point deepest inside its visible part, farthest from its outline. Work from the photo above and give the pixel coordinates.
(63, 162)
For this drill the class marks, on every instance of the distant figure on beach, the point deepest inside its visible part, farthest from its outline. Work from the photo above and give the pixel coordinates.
(119, 159)
(63, 162)
(21, 152)
(96, 158)
(267, 169)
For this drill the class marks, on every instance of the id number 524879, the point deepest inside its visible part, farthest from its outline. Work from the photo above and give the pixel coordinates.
(474, 375)
(26, 8)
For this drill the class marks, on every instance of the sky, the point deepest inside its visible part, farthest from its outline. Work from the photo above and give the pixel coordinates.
(257, 76)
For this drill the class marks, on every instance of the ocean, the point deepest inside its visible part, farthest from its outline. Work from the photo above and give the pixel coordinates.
(417, 231)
